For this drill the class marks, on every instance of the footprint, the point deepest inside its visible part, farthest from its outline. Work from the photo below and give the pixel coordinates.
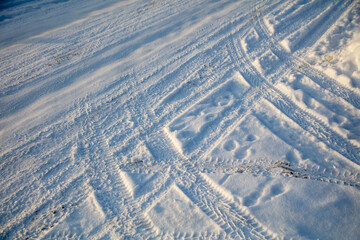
(339, 119)
(230, 145)
(251, 199)
(254, 197)
(293, 156)
(251, 138)
(158, 208)
(223, 100)
(242, 153)
(275, 191)
(195, 111)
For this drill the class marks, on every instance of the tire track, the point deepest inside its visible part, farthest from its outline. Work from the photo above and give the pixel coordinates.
(225, 213)
(264, 167)
(304, 119)
(199, 236)
(39, 219)
(56, 171)
(200, 42)
(207, 75)
(193, 197)
(306, 36)
(304, 68)
(113, 195)
(124, 212)
(116, 50)
(157, 88)
(232, 219)
(314, 126)
(190, 51)
(69, 183)
(307, 12)
(87, 34)
(20, 205)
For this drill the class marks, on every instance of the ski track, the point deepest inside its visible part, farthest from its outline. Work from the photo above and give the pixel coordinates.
(149, 109)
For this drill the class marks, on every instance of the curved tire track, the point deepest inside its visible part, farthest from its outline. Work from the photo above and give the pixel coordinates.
(304, 119)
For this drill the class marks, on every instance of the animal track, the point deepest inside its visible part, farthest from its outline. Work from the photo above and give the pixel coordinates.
(230, 145)
(177, 91)
(251, 138)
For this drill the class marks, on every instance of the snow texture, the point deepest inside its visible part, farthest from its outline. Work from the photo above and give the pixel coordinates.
(188, 119)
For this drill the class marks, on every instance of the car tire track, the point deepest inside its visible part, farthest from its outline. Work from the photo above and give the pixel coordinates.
(304, 119)
(113, 193)
(304, 68)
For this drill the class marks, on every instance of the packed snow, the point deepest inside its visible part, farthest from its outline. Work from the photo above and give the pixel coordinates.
(187, 119)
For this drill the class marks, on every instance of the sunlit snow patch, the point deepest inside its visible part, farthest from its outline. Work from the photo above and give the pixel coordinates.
(189, 130)
(337, 53)
(252, 140)
(326, 106)
(87, 217)
(269, 135)
(296, 208)
(175, 212)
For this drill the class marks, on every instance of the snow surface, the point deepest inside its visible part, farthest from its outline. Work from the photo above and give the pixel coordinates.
(182, 119)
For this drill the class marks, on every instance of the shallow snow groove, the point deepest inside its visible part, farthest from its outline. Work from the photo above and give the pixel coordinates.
(177, 120)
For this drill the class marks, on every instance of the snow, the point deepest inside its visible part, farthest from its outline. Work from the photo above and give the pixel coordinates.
(175, 212)
(180, 119)
(303, 209)
(82, 221)
(337, 53)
